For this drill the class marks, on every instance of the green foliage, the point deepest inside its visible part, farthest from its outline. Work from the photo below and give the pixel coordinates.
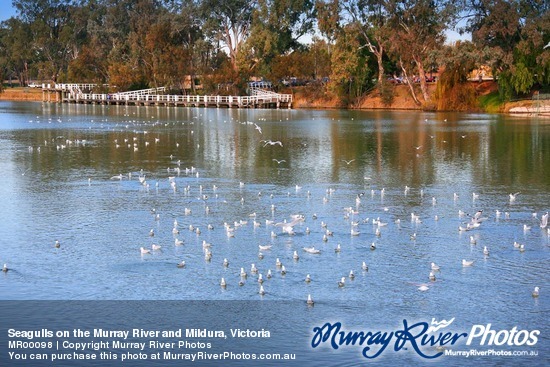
(522, 79)
(133, 43)
(453, 91)
(491, 102)
(350, 76)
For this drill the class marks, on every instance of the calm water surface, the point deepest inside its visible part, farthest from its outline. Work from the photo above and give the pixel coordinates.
(334, 168)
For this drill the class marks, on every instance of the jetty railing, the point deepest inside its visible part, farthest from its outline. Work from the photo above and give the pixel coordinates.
(74, 93)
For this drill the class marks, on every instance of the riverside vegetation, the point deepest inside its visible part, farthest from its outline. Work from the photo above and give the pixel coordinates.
(330, 53)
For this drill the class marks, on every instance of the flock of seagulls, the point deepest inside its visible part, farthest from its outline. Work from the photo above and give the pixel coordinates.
(361, 218)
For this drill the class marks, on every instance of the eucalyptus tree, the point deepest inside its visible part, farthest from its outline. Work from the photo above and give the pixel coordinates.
(277, 26)
(418, 28)
(516, 33)
(16, 58)
(56, 32)
(350, 71)
(228, 23)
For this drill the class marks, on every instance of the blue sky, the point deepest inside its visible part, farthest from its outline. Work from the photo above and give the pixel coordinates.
(6, 10)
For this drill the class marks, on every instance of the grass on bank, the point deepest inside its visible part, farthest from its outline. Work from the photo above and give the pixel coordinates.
(491, 102)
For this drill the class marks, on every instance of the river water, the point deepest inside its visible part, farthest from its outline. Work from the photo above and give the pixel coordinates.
(102, 179)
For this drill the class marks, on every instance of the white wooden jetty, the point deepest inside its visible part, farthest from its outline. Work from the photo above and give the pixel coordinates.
(82, 93)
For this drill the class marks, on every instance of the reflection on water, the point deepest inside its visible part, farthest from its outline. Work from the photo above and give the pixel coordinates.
(340, 168)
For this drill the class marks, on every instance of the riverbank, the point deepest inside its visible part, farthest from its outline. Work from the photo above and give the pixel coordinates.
(308, 99)
(21, 94)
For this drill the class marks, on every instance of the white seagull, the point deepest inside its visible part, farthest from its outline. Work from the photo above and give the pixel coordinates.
(467, 263)
(270, 142)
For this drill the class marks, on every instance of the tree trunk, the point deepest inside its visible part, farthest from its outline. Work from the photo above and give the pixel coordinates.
(409, 83)
(380, 66)
(422, 75)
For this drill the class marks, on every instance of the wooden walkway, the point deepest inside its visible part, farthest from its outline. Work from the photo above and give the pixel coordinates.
(81, 93)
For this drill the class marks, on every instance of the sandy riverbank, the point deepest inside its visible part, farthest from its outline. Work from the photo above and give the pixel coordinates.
(402, 101)
(21, 94)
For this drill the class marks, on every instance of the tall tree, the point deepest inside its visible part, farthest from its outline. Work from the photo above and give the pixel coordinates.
(372, 16)
(228, 22)
(515, 32)
(55, 33)
(277, 25)
(418, 29)
(350, 73)
(16, 57)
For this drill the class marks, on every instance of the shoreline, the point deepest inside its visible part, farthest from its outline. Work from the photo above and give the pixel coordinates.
(402, 102)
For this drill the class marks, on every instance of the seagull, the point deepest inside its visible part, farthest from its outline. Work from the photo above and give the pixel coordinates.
(156, 247)
(351, 274)
(258, 128)
(364, 266)
(467, 263)
(5, 268)
(534, 294)
(309, 300)
(308, 278)
(544, 221)
(311, 250)
(435, 267)
(262, 290)
(342, 282)
(270, 142)
(181, 264)
(432, 276)
(145, 251)
(513, 197)
(225, 263)
(348, 162)
(485, 251)
(223, 284)
(278, 161)
(57, 244)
